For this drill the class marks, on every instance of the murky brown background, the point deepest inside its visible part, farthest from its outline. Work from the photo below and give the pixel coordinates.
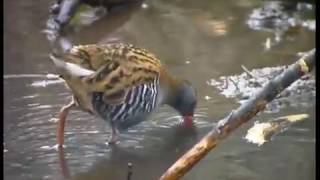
(197, 40)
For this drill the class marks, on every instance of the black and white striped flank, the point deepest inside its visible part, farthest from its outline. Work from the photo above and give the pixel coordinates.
(139, 102)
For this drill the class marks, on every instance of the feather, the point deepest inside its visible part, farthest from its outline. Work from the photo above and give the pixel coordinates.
(65, 68)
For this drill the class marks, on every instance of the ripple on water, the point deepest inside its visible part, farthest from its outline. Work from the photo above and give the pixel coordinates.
(33, 104)
(30, 96)
(45, 83)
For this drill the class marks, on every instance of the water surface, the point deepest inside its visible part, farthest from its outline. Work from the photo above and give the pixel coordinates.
(197, 40)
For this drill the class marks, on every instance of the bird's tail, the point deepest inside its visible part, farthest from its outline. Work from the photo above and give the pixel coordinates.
(65, 68)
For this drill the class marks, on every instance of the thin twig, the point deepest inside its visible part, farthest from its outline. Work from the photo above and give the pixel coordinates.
(251, 75)
(248, 72)
(234, 83)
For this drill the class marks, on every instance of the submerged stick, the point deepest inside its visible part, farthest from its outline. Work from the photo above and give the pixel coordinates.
(239, 116)
(129, 174)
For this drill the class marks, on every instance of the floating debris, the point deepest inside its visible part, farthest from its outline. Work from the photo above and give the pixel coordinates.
(263, 132)
(243, 86)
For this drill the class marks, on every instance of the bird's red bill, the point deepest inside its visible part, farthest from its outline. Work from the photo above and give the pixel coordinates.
(188, 120)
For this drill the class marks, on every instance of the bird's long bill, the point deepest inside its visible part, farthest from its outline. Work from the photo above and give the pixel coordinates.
(188, 120)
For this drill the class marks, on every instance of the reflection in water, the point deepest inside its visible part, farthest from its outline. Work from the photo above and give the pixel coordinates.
(179, 140)
(211, 25)
(284, 19)
(93, 32)
(63, 163)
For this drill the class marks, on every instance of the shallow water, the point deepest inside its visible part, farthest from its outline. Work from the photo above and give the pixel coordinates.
(197, 40)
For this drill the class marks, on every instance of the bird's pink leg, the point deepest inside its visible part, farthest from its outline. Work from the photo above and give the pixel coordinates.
(61, 122)
(114, 136)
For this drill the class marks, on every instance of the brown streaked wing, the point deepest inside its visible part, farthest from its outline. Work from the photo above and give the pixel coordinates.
(119, 67)
(89, 56)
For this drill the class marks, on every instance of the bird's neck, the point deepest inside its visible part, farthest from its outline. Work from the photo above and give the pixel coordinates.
(169, 86)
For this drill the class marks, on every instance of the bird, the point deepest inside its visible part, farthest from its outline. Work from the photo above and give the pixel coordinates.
(121, 84)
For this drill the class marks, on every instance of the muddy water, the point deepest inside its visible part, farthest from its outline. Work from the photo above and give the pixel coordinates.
(197, 40)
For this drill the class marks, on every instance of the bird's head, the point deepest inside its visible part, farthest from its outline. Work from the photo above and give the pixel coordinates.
(184, 101)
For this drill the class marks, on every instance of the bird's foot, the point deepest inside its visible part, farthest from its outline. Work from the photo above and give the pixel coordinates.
(111, 143)
(58, 147)
(113, 140)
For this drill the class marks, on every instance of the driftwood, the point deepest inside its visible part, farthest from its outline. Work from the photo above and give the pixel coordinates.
(239, 116)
